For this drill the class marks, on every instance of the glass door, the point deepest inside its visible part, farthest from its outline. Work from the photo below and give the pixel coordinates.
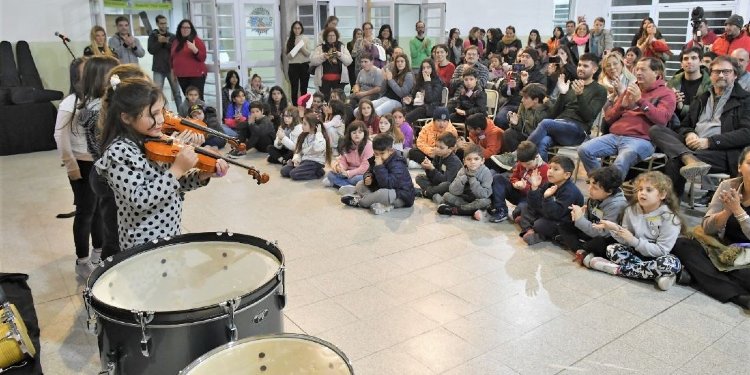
(433, 16)
(204, 17)
(260, 34)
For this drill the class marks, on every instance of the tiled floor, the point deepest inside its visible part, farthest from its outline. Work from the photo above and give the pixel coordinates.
(408, 292)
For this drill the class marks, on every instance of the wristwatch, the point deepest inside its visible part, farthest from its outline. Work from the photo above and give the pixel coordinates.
(645, 108)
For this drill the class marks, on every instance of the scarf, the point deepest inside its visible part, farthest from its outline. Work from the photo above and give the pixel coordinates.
(709, 121)
(508, 40)
(579, 41)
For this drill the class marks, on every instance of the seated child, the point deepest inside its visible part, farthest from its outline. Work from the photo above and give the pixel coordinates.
(192, 97)
(470, 191)
(354, 151)
(650, 227)
(516, 188)
(405, 127)
(533, 110)
(258, 131)
(483, 133)
(469, 99)
(286, 137)
(442, 169)
(312, 153)
(548, 205)
(237, 113)
(606, 202)
(208, 117)
(387, 125)
(427, 140)
(387, 183)
(334, 124)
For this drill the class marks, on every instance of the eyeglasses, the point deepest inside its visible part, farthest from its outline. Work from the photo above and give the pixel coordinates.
(725, 72)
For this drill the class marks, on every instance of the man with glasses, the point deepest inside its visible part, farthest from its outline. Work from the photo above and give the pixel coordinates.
(711, 138)
(420, 47)
(160, 45)
(743, 58)
(472, 60)
(126, 46)
(733, 37)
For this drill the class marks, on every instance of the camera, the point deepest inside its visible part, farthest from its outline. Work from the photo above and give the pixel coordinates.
(696, 17)
(554, 59)
(518, 67)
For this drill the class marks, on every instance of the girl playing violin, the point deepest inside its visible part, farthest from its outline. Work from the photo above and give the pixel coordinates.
(149, 194)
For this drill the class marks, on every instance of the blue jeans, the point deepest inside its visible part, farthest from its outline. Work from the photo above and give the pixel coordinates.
(501, 117)
(173, 85)
(338, 181)
(385, 105)
(503, 190)
(629, 151)
(551, 132)
(229, 131)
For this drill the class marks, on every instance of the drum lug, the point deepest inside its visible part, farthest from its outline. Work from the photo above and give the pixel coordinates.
(281, 297)
(262, 315)
(144, 318)
(230, 307)
(92, 325)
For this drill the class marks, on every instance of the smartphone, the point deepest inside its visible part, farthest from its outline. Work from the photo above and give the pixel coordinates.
(554, 59)
(595, 219)
(518, 67)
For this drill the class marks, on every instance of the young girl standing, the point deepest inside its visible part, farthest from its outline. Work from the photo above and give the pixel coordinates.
(286, 137)
(388, 125)
(354, 151)
(312, 153)
(650, 226)
(149, 194)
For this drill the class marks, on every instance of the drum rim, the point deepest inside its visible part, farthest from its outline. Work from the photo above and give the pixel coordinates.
(195, 315)
(198, 361)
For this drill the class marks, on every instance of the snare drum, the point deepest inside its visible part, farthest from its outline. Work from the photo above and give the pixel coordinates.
(157, 307)
(15, 343)
(285, 354)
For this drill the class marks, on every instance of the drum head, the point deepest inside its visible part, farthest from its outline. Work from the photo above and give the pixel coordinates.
(286, 354)
(185, 276)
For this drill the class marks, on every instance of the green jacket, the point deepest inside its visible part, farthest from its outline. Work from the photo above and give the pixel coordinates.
(528, 119)
(419, 50)
(676, 83)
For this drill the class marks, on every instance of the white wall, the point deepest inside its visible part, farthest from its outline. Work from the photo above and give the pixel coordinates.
(37, 20)
(523, 14)
(589, 8)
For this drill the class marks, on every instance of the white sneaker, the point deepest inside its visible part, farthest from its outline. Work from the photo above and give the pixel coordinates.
(327, 182)
(604, 265)
(665, 282)
(347, 190)
(96, 256)
(437, 198)
(379, 208)
(414, 165)
(84, 267)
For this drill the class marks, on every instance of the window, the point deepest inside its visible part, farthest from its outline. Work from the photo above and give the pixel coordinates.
(624, 3)
(561, 13)
(306, 16)
(624, 26)
(347, 21)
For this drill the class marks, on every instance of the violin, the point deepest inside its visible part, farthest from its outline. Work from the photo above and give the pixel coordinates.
(173, 122)
(166, 149)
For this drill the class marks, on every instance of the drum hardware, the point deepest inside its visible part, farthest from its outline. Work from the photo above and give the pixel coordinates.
(282, 291)
(110, 370)
(92, 324)
(143, 318)
(15, 344)
(259, 318)
(229, 308)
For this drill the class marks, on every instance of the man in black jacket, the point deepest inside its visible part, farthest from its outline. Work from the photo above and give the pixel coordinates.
(159, 45)
(715, 131)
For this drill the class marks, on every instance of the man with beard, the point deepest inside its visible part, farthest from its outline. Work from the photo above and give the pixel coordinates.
(690, 81)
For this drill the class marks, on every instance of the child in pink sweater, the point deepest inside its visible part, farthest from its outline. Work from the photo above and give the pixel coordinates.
(352, 162)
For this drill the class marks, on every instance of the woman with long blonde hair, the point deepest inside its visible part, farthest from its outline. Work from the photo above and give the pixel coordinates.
(98, 46)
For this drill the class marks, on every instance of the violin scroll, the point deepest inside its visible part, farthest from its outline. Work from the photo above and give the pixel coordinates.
(260, 178)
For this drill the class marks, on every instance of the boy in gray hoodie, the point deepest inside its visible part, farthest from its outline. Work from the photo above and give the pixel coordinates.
(470, 191)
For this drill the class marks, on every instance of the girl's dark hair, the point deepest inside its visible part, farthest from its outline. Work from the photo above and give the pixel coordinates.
(290, 42)
(75, 76)
(608, 178)
(340, 93)
(495, 34)
(538, 37)
(384, 27)
(347, 144)
(181, 39)
(433, 75)
(743, 155)
(562, 33)
(237, 92)
(284, 102)
(295, 117)
(354, 33)
(94, 82)
(130, 97)
(229, 77)
(636, 51)
(454, 31)
(316, 125)
(400, 75)
(337, 108)
(360, 116)
(394, 130)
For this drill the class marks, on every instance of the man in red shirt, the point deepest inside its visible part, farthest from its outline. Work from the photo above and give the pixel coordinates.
(733, 37)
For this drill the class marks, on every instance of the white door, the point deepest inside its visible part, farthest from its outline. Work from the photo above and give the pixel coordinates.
(203, 16)
(349, 13)
(433, 16)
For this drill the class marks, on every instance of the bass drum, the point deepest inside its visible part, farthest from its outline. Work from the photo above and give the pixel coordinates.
(157, 307)
(285, 354)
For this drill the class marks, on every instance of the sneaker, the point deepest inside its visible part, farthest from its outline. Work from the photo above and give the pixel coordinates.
(347, 190)
(693, 171)
(604, 265)
(446, 209)
(705, 200)
(414, 165)
(665, 282)
(532, 238)
(418, 193)
(684, 278)
(506, 161)
(498, 216)
(379, 208)
(327, 182)
(579, 256)
(96, 256)
(437, 198)
(84, 268)
(350, 200)
(587, 260)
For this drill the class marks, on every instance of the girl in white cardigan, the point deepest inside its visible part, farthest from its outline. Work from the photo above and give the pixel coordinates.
(312, 152)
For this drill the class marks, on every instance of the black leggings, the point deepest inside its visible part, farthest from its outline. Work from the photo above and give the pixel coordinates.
(299, 78)
(108, 213)
(87, 221)
(724, 286)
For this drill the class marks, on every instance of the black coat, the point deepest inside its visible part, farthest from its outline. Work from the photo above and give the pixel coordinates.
(476, 103)
(160, 51)
(433, 94)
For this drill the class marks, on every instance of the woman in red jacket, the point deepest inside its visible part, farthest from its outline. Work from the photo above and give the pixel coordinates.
(652, 45)
(188, 57)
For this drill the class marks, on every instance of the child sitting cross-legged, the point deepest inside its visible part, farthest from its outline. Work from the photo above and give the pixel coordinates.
(354, 151)
(649, 229)
(387, 184)
(441, 170)
(470, 191)
(312, 152)
(516, 188)
(548, 205)
(606, 202)
(285, 142)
